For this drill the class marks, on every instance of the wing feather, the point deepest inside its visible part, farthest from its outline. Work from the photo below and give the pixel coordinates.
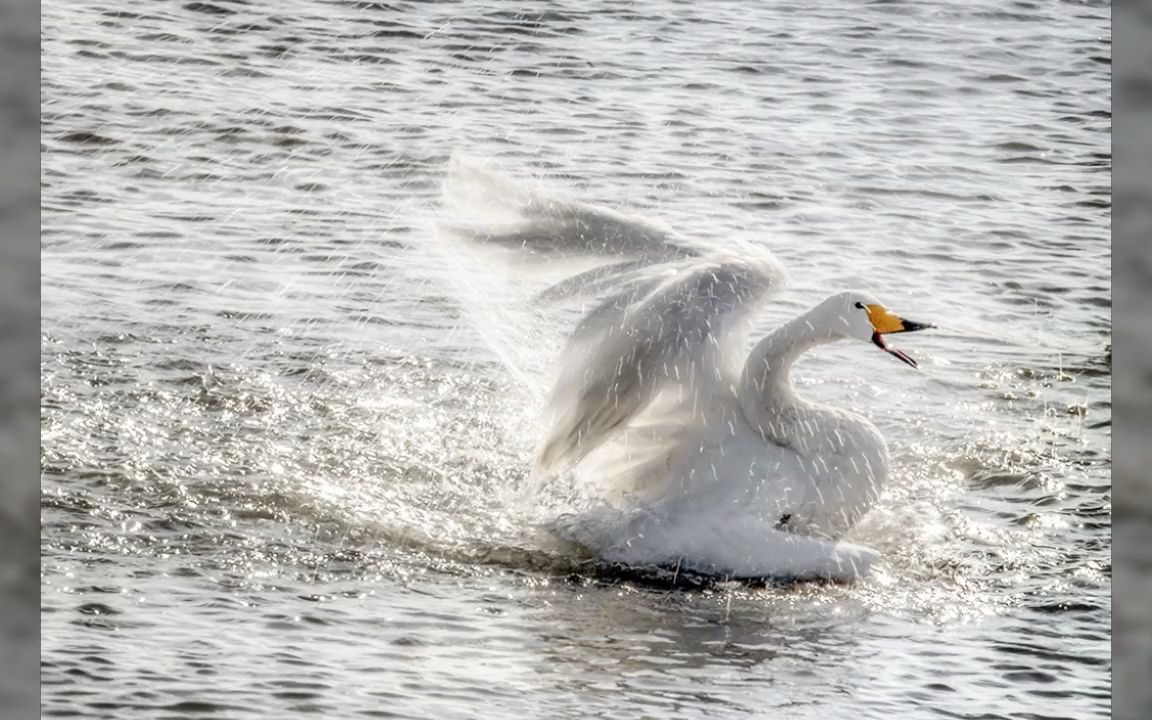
(669, 310)
(674, 329)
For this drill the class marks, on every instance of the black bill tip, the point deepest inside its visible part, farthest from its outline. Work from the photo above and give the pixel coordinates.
(912, 326)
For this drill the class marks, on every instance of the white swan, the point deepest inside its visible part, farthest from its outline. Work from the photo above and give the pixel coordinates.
(704, 460)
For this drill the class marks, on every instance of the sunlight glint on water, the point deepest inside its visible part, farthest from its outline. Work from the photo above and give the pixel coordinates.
(286, 430)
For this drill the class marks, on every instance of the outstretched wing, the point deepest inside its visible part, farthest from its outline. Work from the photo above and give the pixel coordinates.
(676, 325)
(492, 209)
(667, 311)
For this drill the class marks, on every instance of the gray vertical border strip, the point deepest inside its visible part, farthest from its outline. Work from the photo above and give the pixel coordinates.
(1132, 369)
(19, 355)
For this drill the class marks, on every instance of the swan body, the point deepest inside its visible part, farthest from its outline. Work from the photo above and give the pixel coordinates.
(690, 453)
(760, 483)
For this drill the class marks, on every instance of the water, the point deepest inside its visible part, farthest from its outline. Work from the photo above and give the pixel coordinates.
(284, 454)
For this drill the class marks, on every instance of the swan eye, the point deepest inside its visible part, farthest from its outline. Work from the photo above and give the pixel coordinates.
(860, 305)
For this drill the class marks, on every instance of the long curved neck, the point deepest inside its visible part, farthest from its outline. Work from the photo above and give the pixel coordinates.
(766, 393)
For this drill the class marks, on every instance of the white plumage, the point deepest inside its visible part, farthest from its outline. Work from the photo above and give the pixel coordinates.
(703, 456)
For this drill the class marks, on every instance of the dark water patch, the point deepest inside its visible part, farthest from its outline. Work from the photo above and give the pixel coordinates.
(87, 138)
(400, 32)
(1066, 606)
(244, 28)
(1019, 159)
(101, 589)
(925, 193)
(116, 86)
(164, 59)
(164, 37)
(133, 160)
(208, 8)
(152, 112)
(1040, 652)
(87, 42)
(1016, 146)
(200, 707)
(1031, 676)
(126, 15)
(287, 141)
(97, 609)
(245, 73)
(186, 218)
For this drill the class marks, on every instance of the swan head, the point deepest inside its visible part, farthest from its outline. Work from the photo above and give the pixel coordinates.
(860, 315)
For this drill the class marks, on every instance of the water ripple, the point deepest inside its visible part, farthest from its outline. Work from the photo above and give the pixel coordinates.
(283, 462)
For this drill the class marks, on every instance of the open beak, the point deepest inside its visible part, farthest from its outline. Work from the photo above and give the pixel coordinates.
(885, 322)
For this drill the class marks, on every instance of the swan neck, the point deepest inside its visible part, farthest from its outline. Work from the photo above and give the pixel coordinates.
(767, 395)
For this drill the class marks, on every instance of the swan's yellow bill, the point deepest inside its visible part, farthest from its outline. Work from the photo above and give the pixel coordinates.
(884, 321)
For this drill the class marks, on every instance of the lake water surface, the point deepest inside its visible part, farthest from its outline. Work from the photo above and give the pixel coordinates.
(286, 437)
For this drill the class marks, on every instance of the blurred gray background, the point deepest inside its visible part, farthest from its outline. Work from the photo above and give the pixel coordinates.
(19, 382)
(1132, 334)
